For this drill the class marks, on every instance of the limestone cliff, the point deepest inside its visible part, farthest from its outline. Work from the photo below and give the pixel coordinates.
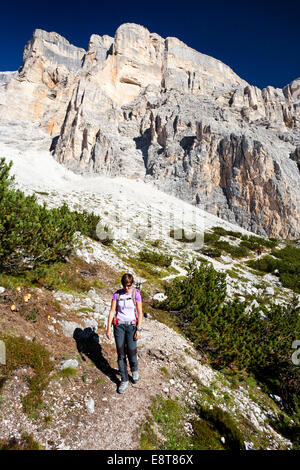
(146, 107)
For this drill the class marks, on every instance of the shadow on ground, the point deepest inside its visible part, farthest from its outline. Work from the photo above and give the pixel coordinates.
(87, 342)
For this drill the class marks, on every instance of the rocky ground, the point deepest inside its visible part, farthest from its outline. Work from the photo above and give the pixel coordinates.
(84, 411)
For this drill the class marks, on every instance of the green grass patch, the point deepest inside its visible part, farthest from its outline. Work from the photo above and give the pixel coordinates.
(21, 352)
(85, 310)
(162, 316)
(47, 419)
(205, 437)
(148, 438)
(67, 372)
(167, 416)
(148, 271)
(217, 423)
(30, 313)
(100, 381)
(98, 284)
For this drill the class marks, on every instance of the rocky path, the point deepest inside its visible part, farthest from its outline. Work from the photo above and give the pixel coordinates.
(117, 427)
(168, 365)
(114, 421)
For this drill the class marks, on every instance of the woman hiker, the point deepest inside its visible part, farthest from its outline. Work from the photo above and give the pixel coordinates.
(126, 315)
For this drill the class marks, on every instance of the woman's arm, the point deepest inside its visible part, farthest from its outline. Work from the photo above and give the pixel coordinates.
(110, 318)
(140, 319)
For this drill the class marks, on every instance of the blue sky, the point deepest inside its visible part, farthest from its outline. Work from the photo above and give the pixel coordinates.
(260, 41)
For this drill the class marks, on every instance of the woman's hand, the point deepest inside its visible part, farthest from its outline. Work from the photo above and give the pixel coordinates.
(137, 335)
(108, 333)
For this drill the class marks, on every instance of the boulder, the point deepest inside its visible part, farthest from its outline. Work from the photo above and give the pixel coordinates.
(72, 363)
(160, 296)
(269, 291)
(69, 327)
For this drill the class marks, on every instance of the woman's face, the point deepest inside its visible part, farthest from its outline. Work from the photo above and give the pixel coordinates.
(127, 287)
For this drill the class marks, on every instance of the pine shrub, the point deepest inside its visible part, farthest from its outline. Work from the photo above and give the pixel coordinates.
(211, 238)
(232, 337)
(31, 234)
(155, 257)
(211, 252)
(220, 230)
(287, 262)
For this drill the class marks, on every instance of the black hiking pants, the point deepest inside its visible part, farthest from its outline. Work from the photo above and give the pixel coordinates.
(126, 345)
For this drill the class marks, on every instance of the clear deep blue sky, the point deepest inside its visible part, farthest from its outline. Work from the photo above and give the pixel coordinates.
(260, 41)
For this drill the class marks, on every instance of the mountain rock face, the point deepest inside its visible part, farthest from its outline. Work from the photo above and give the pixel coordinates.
(145, 107)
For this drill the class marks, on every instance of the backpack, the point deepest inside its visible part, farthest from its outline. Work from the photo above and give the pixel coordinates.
(115, 319)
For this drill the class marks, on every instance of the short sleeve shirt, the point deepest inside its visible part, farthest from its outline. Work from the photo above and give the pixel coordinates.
(126, 304)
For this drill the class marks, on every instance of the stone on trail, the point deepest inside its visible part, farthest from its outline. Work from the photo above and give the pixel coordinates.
(73, 363)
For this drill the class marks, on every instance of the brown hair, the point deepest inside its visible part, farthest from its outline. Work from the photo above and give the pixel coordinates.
(127, 279)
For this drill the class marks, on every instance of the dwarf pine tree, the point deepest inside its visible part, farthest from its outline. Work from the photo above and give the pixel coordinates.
(203, 288)
(231, 336)
(31, 234)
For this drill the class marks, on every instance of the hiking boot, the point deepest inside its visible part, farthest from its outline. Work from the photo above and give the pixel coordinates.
(135, 376)
(123, 387)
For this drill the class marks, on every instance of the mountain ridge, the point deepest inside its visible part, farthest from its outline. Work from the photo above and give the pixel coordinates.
(154, 109)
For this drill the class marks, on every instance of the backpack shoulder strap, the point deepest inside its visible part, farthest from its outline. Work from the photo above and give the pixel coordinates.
(134, 301)
(118, 293)
(117, 300)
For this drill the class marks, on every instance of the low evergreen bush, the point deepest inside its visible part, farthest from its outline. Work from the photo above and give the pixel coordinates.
(232, 337)
(31, 234)
(210, 238)
(234, 234)
(253, 243)
(287, 262)
(234, 251)
(154, 257)
(220, 230)
(211, 252)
